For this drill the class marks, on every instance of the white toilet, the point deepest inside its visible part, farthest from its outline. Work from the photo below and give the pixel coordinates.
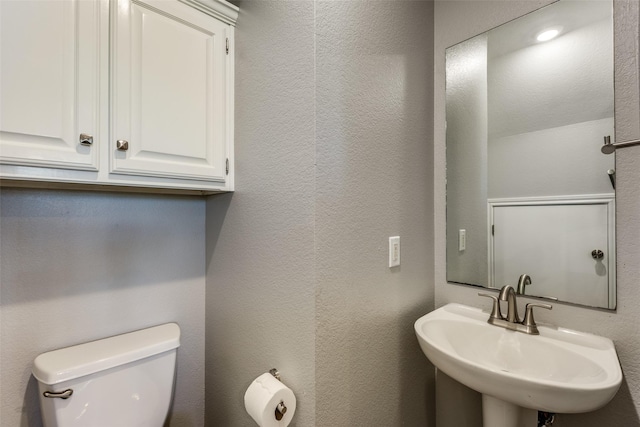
(126, 380)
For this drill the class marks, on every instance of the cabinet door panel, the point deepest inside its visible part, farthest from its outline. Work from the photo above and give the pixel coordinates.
(49, 83)
(169, 91)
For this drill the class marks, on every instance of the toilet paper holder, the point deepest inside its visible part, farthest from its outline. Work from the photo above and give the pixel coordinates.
(280, 411)
(280, 408)
(275, 373)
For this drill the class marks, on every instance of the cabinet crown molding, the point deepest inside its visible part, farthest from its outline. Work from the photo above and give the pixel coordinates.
(219, 9)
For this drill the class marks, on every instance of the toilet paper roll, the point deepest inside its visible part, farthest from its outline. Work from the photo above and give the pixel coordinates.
(262, 398)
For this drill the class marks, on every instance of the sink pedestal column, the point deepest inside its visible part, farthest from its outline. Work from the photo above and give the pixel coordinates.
(498, 413)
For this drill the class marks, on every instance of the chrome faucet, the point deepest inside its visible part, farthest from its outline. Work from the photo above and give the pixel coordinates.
(508, 294)
(512, 320)
(523, 281)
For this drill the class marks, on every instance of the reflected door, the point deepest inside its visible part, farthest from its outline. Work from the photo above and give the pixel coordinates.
(554, 244)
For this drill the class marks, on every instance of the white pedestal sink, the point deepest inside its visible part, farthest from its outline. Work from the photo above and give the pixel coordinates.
(560, 370)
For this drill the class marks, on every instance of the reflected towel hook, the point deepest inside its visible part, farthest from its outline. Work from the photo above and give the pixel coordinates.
(609, 147)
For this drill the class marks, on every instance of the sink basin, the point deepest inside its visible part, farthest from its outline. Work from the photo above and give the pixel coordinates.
(559, 370)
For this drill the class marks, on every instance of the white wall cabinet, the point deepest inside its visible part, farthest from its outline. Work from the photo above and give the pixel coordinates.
(49, 83)
(126, 93)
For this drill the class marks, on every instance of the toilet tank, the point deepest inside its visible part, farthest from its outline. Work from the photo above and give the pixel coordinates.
(125, 380)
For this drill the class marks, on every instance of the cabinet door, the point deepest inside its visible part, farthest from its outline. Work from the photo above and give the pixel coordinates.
(49, 83)
(169, 91)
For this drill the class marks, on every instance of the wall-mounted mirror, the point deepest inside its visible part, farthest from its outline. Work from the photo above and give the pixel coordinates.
(528, 189)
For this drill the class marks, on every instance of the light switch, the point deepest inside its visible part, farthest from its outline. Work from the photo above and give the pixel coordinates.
(394, 251)
(462, 239)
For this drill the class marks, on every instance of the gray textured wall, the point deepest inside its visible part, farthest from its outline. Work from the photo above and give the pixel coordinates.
(333, 128)
(78, 266)
(374, 109)
(260, 240)
(619, 325)
(467, 150)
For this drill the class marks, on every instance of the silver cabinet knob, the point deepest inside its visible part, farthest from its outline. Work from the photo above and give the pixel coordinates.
(122, 145)
(597, 254)
(86, 139)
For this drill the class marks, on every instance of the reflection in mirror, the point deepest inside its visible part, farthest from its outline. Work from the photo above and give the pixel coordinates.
(528, 189)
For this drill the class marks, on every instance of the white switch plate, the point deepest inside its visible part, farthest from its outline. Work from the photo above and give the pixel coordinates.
(462, 239)
(394, 251)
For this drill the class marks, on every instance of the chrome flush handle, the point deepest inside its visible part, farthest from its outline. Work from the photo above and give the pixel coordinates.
(59, 394)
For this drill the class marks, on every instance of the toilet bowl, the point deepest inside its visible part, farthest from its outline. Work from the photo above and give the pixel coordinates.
(125, 380)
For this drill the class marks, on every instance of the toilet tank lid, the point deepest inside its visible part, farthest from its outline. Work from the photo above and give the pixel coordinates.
(84, 359)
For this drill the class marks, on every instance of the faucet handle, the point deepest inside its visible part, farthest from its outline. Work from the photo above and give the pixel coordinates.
(495, 311)
(529, 321)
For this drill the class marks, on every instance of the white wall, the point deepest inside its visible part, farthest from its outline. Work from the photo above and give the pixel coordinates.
(564, 160)
(333, 129)
(78, 266)
(572, 77)
(559, 126)
(619, 325)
